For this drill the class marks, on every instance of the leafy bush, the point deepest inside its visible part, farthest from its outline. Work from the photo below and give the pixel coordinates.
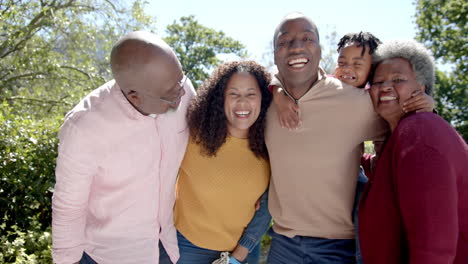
(25, 247)
(28, 149)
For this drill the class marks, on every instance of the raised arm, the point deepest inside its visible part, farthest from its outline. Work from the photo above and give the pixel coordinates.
(288, 111)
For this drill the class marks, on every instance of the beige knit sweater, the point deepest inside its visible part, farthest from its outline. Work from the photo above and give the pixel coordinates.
(315, 168)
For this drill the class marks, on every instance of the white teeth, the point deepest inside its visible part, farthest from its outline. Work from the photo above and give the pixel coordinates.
(242, 113)
(300, 65)
(348, 77)
(387, 98)
(297, 61)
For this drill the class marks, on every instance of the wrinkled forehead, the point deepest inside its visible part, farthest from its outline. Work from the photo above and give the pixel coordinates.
(300, 23)
(394, 66)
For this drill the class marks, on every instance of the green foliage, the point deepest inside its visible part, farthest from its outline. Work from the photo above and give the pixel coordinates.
(197, 47)
(54, 52)
(442, 27)
(369, 147)
(25, 247)
(28, 149)
(452, 99)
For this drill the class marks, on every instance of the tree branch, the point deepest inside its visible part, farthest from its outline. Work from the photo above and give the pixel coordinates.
(6, 9)
(36, 24)
(35, 100)
(28, 32)
(112, 5)
(76, 69)
(31, 74)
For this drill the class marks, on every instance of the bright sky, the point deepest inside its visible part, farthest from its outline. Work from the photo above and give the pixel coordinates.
(252, 22)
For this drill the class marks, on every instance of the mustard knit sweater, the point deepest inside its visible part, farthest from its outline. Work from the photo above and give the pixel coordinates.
(216, 195)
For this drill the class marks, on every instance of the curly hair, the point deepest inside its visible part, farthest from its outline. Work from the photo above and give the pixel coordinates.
(362, 39)
(419, 57)
(206, 117)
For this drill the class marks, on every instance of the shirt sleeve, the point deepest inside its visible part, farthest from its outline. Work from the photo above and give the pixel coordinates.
(375, 128)
(76, 166)
(257, 226)
(427, 193)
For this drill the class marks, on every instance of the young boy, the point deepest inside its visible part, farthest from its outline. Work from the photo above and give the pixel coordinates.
(355, 58)
(353, 68)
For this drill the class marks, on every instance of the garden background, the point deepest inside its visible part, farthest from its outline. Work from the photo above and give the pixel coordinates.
(54, 52)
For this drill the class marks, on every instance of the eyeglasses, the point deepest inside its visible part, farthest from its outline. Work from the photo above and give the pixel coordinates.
(181, 84)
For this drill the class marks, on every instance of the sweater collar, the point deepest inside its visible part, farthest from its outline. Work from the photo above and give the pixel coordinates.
(278, 80)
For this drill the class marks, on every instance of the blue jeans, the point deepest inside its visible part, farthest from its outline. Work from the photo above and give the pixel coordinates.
(86, 259)
(163, 257)
(250, 239)
(362, 180)
(310, 250)
(191, 254)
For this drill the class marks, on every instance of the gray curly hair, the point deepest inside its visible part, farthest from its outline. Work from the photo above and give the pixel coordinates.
(418, 56)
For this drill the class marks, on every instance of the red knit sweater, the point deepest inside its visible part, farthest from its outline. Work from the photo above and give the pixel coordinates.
(415, 206)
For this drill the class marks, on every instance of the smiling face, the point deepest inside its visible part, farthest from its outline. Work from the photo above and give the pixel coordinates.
(353, 67)
(242, 103)
(393, 83)
(297, 52)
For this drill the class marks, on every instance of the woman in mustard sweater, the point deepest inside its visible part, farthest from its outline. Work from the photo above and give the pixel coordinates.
(225, 170)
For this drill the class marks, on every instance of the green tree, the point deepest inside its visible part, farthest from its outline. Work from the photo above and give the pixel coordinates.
(442, 27)
(198, 46)
(53, 52)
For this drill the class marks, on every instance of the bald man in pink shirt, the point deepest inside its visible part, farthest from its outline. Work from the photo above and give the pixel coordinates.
(119, 153)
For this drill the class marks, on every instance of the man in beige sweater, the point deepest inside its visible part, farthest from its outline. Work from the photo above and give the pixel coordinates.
(315, 168)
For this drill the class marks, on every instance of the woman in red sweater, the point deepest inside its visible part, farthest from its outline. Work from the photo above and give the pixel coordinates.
(415, 207)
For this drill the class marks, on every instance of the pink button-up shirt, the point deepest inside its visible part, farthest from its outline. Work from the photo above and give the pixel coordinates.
(115, 177)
